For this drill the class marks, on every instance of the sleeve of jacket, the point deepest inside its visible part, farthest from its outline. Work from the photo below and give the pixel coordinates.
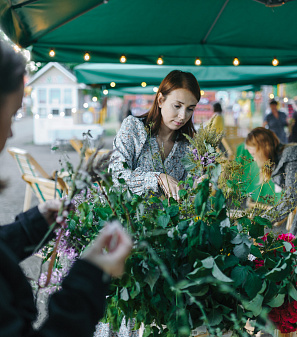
(289, 199)
(76, 309)
(128, 145)
(25, 233)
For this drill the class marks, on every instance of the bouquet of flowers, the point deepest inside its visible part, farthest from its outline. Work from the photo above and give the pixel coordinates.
(192, 264)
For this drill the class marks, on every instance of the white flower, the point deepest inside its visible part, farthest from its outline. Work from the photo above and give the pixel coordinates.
(170, 234)
(251, 257)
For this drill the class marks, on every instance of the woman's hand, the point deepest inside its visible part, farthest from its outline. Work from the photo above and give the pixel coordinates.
(49, 210)
(169, 185)
(110, 250)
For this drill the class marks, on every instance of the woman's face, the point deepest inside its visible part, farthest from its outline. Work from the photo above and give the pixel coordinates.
(177, 108)
(257, 155)
(9, 106)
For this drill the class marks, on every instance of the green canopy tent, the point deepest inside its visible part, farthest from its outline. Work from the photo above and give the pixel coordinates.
(216, 31)
(129, 75)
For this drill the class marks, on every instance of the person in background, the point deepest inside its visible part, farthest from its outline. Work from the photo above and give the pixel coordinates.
(276, 121)
(218, 121)
(153, 145)
(75, 310)
(265, 146)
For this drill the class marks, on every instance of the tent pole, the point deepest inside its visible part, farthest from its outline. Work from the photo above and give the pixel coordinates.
(214, 23)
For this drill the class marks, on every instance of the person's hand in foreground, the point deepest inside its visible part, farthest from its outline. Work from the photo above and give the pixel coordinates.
(110, 250)
(169, 186)
(49, 210)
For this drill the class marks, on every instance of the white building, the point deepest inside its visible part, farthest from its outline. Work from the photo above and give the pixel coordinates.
(56, 99)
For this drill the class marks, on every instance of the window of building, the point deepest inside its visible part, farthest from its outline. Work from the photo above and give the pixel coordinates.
(55, 111)
(67, 96)
(41, 96)
(42, 112)
(68, 112)
(55, 96)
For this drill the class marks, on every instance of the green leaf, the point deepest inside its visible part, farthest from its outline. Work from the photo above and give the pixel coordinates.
(262, 221)
(230, 261)
(292, 291)
(124, 294)
(214, 317)
(256, 230)
(241, 251)
(135, 290)
(152, 277)
(239, 275)
(182, 193)
(208, 263)
(287, 246)
(172, 210)
(219, 201)
(277, 301)
(155, 200)
(217, 273)
(121, 181)
(256, 252)
(163, 220)
(215, 236)
(255, 305)
(252, 285)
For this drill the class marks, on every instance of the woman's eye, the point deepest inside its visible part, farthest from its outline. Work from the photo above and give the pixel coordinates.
(177, 106)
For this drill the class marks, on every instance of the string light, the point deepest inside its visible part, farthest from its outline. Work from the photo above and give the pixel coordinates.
(286, 99)
(73, 110)
(198, 61)
(275, 62)
(143, 84)
(62, 114)
(36, 116)
(105, 92)
(112, 84)
(52, 53)
(155, 89)
(87, 57)
(50, 116)
(85, 105)
(94, 99)
(123, 59)
(202, 92)
(236, 62)
(160, 61)
(271, 96)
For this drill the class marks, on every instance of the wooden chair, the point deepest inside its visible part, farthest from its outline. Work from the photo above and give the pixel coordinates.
(29, 166)
(78, 144)
(44, 189)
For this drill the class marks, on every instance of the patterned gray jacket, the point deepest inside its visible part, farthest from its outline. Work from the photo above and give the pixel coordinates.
(141, 153)
(284, 175)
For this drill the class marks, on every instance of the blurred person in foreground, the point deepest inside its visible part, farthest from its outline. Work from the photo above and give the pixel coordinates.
(277, 162)
(276, 121)
(76, 309)
(218, 120)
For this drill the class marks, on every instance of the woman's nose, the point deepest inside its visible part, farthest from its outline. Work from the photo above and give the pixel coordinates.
(182, 114)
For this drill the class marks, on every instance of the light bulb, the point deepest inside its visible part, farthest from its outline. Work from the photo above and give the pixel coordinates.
(105, 92)
(155, 89)
(271, 96)
(286, 99)
(52, 53)
(112, 84)
(236, 62)
(87, 57)
(198, 62)
(123, 59)
(275, 62)
(143, 84)
(202, 92)
(160, 61)
(94, 99)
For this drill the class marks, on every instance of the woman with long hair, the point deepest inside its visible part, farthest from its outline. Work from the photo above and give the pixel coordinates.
(149, 149)
(277, 162)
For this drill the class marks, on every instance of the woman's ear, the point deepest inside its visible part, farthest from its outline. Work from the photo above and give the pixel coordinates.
(161, 99)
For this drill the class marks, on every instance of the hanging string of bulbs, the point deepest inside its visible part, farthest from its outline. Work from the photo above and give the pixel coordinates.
(160, 61)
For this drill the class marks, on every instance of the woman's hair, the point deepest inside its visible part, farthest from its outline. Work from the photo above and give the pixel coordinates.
(176, 79)
(217, 107)
(266, 144)
(12, 70)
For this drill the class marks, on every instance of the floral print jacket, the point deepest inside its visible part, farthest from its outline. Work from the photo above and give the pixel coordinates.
(141, 154)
